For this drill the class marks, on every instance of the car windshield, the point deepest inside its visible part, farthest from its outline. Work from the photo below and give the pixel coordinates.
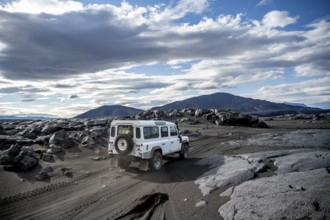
(125, 129)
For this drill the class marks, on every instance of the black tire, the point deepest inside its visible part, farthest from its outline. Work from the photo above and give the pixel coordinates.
(124, 144)
(184, 154)
(156, 162)
(123, 163)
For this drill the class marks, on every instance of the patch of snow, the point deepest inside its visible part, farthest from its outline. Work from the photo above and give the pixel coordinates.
(225, 171)
(297, 195)
(309, 138)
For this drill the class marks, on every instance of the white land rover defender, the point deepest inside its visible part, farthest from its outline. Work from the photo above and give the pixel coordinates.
(146, 142)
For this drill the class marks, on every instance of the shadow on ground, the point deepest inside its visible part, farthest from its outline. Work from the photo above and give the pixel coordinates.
(174, 170)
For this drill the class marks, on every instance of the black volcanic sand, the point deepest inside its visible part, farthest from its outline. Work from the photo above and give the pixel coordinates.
(98, 191)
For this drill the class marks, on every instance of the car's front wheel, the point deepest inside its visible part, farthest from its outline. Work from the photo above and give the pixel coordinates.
(156, 162)
(184, 154)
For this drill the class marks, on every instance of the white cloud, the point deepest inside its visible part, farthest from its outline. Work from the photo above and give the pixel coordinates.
(311, 70)
(92, 53)
(278, 19)
(54, 7)
(264, 2)
(181, 9)
(310, 92)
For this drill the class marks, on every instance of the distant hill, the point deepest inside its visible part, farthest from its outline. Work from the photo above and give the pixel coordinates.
(109, 111)
(295, 104)
(238, 103)
(24, 118)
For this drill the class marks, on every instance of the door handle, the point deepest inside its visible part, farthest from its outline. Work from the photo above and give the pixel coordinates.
(172, 142)
(163, 143)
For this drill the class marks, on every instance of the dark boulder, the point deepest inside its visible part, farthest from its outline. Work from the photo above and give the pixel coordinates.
(150, 114)
(12, 131)
(42, 140)
(209, 116)
(28, 133)
(7, 156)
(25, 160)
(185, 119)
(67, 172)
(61, 138)
(98, 129)
(262, 124)
(14, 150)
(53, 149)
(89, 123)
(174, 114)
(1, 130)
(188, 111)
(49, 129)
(100, 122)
(236, 119)
(43, 174)
(47, 157)
(200, 112)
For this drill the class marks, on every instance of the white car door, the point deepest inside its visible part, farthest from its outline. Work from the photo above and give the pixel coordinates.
(165, 140)
(174, 138)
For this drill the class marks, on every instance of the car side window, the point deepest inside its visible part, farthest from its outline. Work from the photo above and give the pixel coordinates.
(164, 131)
(150, 132)
(138, 133)
(173, 131)
(113, 131)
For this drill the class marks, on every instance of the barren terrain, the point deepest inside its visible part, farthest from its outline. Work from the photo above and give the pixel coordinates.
(234, 172)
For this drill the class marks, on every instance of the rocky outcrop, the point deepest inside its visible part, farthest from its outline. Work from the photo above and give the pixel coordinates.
(47, 157)
(296, 195)
(218, 117)
(67, 172)
(55, 136)
(7, 156)
(43, 174)
(234, 118)
(7, 140)
(26, 160)
(61, 138)
(18, 158)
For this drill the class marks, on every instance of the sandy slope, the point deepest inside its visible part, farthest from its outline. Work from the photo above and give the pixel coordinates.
(97, 191)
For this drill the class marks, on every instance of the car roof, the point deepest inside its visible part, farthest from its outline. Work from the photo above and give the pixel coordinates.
(142, 123)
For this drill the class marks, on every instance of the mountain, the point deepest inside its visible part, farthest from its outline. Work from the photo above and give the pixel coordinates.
(24, 118)
(109, 111)
(295, 104)
(238, 103)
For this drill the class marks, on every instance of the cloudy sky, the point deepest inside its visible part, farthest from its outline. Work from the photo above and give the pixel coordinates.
(63, 57)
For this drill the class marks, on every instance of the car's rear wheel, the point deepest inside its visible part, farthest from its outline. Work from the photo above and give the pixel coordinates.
(124, 144)
(156, 162)
(184, 154)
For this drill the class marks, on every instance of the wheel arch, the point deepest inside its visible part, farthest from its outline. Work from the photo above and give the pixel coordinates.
(157, 148)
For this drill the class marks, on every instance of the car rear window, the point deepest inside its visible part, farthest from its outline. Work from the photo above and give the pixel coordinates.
(125, 129)
(150, 132)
